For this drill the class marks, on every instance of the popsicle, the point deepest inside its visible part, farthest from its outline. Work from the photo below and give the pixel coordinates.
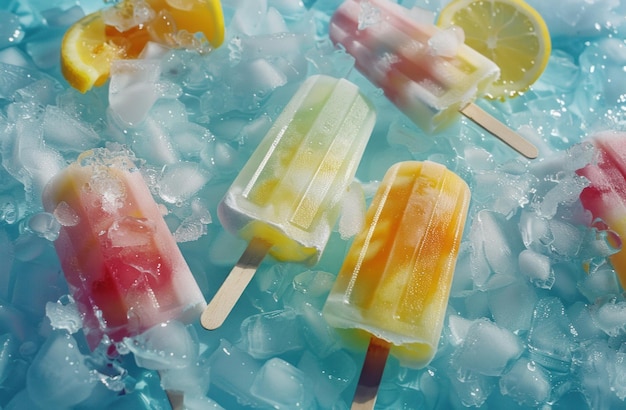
(121, 262)
(605, 197)
(392, 289)
(286, 198)
(427, 80)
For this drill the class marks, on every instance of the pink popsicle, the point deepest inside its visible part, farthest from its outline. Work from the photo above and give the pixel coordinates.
(428, 75)
(120, 260)
(605, 197)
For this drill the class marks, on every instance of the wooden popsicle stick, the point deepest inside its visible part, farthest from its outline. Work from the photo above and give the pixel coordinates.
(236, 282)
(371, 374)
(176, 399)
(501, 131)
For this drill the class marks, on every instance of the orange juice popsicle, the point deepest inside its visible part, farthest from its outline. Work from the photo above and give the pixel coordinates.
(394, 283)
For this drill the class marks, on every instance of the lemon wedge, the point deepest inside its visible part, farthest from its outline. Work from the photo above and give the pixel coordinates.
(92, 43)
(510, 33)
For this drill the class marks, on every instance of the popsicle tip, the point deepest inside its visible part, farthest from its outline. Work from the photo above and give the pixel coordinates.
(213, 316)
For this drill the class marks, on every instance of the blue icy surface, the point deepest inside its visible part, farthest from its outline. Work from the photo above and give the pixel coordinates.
(536, 317)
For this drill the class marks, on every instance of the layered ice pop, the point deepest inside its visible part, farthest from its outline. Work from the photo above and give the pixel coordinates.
(286, 198)
(605, 197)
(429, 74)
(392, 289)
(121, 262)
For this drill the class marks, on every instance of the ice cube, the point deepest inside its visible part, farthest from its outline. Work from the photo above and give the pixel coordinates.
(329, 376)
(63, 314)
(270, 334)
(551, 336)
(133, 89)
(234, 371)
(537, 268)
(168, 345)
(487, 349)
(180, 181)
(282, 385)
(58, 376)
(527, 383)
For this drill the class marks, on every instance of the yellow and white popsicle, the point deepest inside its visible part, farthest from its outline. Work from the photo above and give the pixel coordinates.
(394, 284)
(286, 199)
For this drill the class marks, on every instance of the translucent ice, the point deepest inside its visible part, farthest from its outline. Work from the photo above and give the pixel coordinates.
(310, 287)
(180, 181)
(496, 246)
(512, 305)
(447, 42)
(329, 376)
(551, 337)
(536, 267)
(67, 133)
(282, 386)
(352, 211)
(610, 316)
(234, 371)
(133, 88)
(169, 345)
(527, 383)
(487, 349)
(270, 334)
(58, 376)
(63, 314)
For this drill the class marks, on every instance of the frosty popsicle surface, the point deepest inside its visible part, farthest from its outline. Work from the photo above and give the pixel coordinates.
(428, 74)
(121, 262)
(286, 199)
(394, 284)
(605, 196)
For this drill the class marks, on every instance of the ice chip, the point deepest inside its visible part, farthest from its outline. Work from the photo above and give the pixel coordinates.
(270, 334)
(135, 13)
(512, 305)
(282, 385)
(446, 42)
(352, 211)
(63, 314)
(133, 88)
(536, 267)
(487, 349)
(551, 336)
(129, 232)
(66, 215)
(72, 382)
(329, 376)
(166, 346)
(610, 316)
(67, 133)
(45, 225)
(180, 181)
(234, 371)
(527, 383)
(369, 15)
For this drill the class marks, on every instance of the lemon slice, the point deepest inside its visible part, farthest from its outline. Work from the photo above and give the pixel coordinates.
(510, 33)
(90, 45)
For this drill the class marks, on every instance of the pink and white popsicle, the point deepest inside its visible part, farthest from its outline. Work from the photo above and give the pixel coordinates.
(121, 262)
(428, 80)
